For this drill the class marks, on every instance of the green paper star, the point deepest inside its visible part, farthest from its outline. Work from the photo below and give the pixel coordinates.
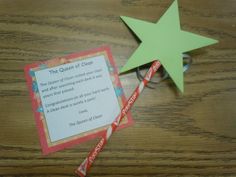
(164, 41)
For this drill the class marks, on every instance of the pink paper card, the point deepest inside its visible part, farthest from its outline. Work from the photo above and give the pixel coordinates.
(75, 97)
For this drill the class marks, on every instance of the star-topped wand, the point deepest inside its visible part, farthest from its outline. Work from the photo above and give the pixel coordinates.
(162, 43)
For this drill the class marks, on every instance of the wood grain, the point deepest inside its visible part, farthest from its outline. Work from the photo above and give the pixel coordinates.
(193, 134)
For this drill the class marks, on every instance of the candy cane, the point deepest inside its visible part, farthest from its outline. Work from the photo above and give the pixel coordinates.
(87, 163)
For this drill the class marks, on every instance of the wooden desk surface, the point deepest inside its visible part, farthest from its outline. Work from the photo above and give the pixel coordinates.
(193, 134)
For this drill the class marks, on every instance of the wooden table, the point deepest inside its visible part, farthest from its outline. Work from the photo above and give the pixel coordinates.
(190, 134)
